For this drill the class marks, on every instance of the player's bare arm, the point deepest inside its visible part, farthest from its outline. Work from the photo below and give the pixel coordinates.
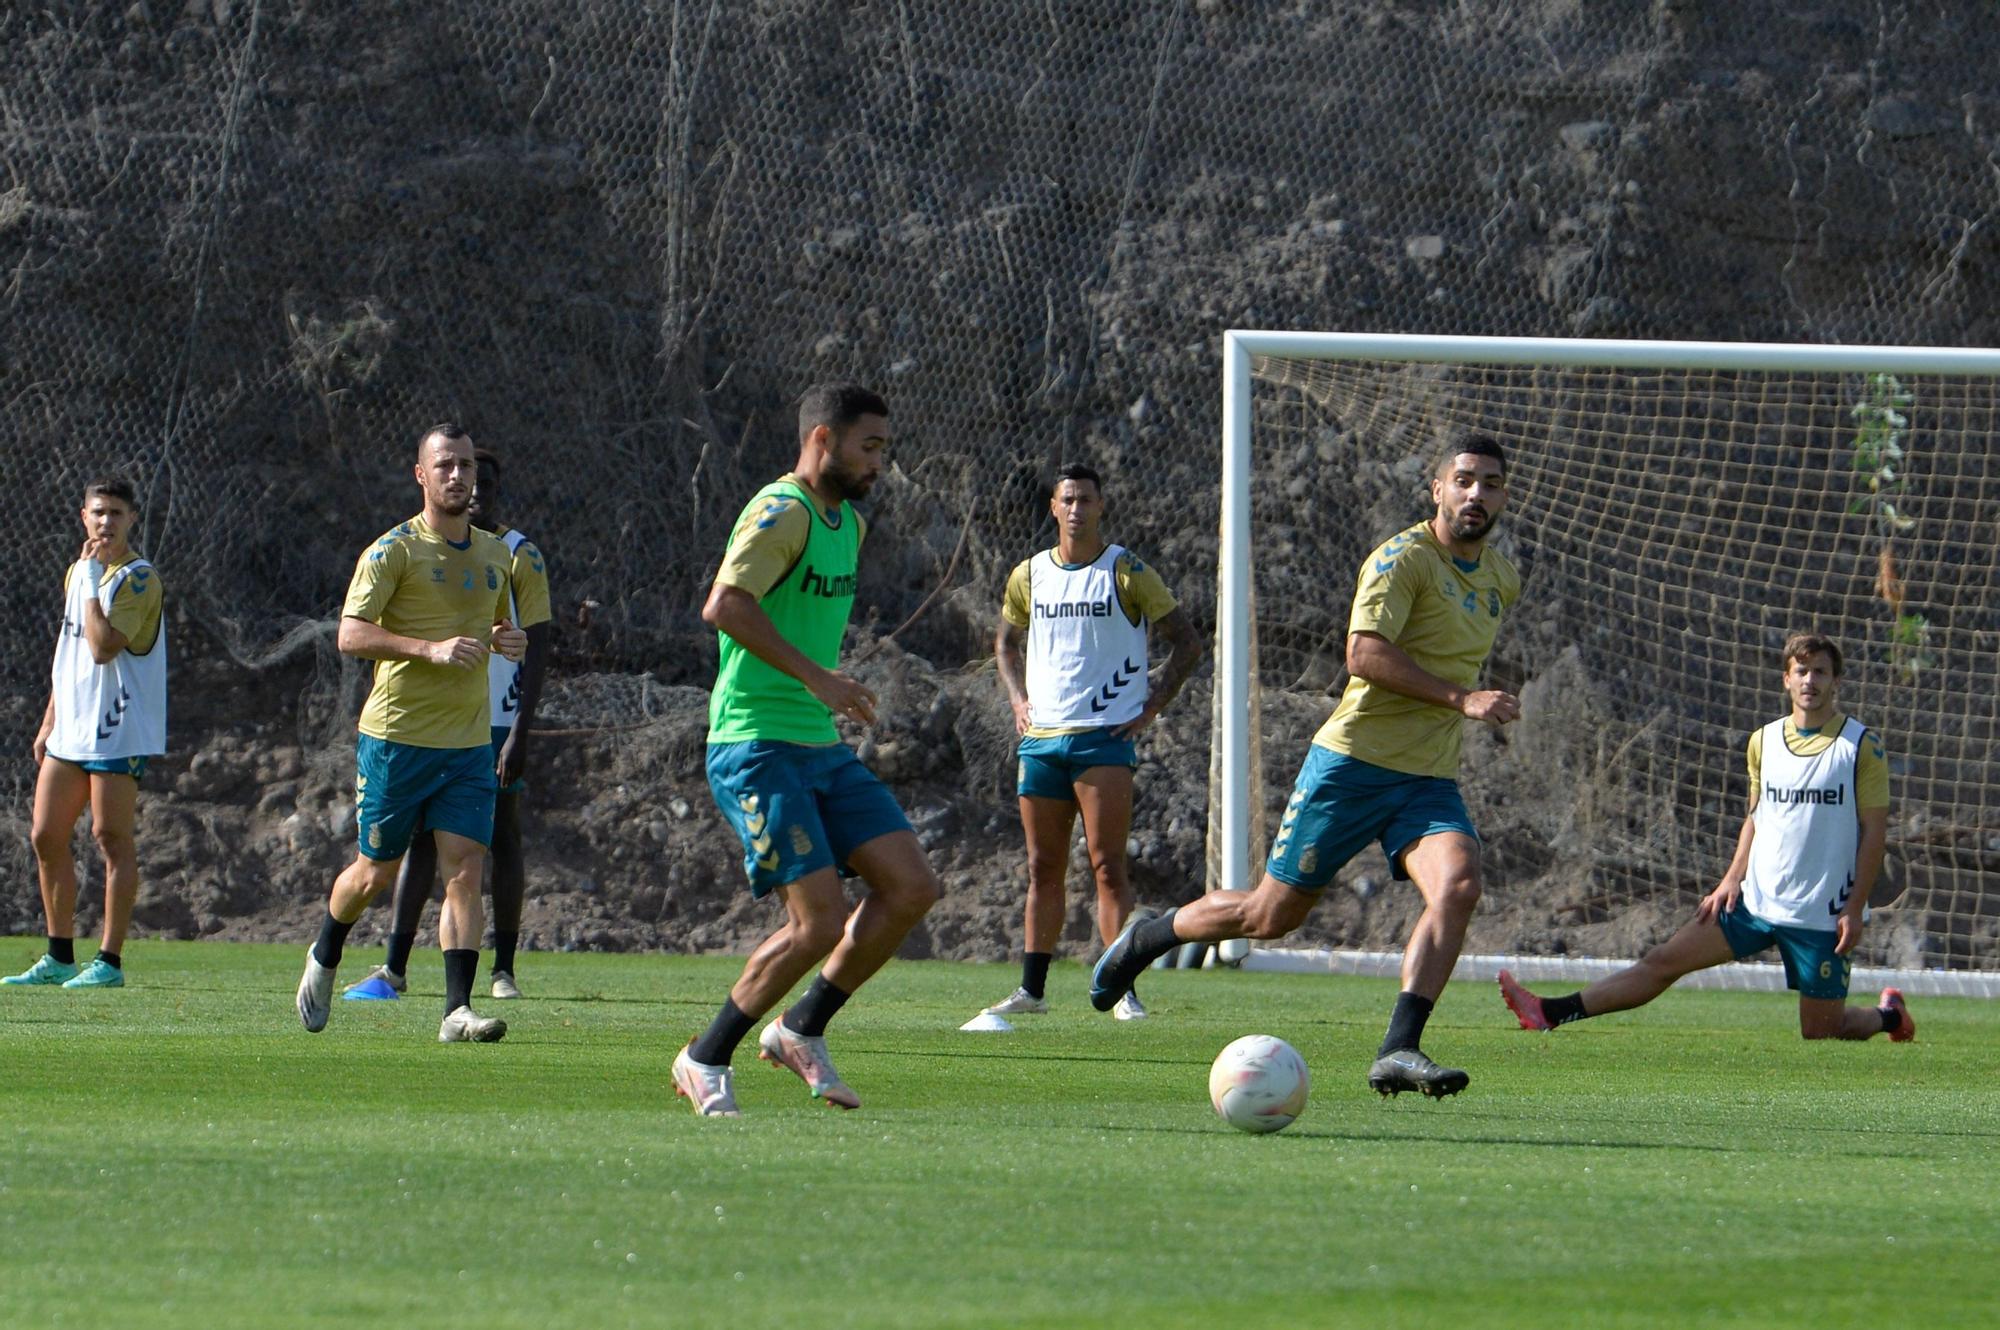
(735, 611)
(1729, 890)
(1381, 662)
(48, 727)
(1867, 866)
(1185, 649)
(1010, 658)
(367, 640)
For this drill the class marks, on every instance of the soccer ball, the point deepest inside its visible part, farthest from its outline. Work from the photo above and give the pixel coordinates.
(1258, 1084)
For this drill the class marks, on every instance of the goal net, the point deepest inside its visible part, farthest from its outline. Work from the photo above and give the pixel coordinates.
(1676, 510)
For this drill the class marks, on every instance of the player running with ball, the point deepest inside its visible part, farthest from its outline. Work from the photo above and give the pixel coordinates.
(1384, 766)
(1806, 859)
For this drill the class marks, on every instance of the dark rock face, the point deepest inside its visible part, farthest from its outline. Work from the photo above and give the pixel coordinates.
(251, 254)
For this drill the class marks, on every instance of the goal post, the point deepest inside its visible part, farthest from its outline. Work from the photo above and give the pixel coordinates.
(1679, 506)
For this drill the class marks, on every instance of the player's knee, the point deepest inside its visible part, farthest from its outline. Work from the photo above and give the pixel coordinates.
(1047, 870)
(1460, 893)
(51, 842)
(115, 845)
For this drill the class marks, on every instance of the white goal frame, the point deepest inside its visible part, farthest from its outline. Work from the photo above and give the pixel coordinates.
(1233, 599)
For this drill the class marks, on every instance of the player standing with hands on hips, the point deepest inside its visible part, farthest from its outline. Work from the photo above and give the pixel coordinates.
(1385, 765)
(107, 714)
(425, 600)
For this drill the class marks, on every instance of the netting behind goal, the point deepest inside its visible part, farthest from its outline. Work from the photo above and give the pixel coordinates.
(1672, 525)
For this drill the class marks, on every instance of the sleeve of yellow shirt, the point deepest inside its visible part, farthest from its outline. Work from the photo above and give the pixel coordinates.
(769, 538)
(1386, 591)
(531, 585)
(135, 610)
(1014, 604)
(1753, 756)
(1871, 773)
(1142, 588)
(376, 574)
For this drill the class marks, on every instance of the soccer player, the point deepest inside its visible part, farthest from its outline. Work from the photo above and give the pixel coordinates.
(1384, 766)
(1072, 655)
(800, 801)
(1806, 859)
(425, 600)
(107, 714)
(513, 692)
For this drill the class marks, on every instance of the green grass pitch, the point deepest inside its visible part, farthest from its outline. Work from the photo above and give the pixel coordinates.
(180, 1153)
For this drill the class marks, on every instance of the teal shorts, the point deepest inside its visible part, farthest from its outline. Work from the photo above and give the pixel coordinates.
(1048, 767)
(798, 808)
(1811, 964)
(1340, 803)
(135, 767)
(401, 787)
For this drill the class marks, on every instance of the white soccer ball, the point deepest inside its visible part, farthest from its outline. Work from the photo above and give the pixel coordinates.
(1258, 1084)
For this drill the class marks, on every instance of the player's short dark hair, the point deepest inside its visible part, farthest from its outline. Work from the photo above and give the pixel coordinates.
(837, 405)
(450, 429)
(1077, 471)
(489, 458)
(1804, 646)
(1479, 445)
(113, 487)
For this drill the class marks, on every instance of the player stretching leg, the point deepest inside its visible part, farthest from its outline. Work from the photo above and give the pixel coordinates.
(800, 801)
(513, 691)
(425, 600)
(1072, 655)
(1384, 766)
(1805, 861)
(107, 714)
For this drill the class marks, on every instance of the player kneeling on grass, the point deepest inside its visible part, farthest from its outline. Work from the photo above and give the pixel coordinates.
(107, 714)
(425, 600)
(799, 800)
(1805, 861)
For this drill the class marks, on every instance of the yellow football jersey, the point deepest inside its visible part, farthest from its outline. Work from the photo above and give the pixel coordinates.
(415, 583)
(1444, 614)
(529, 574)
(136, 610)
(1143, 598)
(1871, 765)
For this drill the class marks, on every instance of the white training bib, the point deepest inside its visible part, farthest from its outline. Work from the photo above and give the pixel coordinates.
(1086, 660)
(106, 711)
(1808, 830)
(503, 676)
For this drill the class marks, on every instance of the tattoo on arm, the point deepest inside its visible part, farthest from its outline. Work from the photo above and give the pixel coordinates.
(1185, 649)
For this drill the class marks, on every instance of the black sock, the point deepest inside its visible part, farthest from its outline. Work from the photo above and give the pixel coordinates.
(332, 937)
(1035, 972)
(63, 949)
(460, 965)
(1892, 1019)
(398, 959)
(503, 950)
(1563, 1010)
(1154, 938)
(1406, 1023)
(718, 1042)
(111, 958)
(809, 1015)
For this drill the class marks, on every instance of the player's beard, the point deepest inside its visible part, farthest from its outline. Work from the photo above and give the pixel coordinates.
(849, 485)
(451, 507)
(1467, 527)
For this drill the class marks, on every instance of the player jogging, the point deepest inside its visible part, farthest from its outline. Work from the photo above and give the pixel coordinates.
(425, 600)
(1805, 861)
(107, 714)
(800, 801)
(1384, 766)
(1072, 655)
(513, 692)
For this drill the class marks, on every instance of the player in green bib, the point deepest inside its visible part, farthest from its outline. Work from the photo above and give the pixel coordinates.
(805, 809)
(1384, 767)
